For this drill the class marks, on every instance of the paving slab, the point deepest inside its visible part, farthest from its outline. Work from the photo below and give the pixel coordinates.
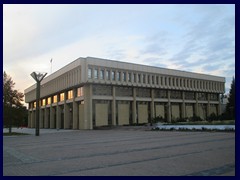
(120, 152)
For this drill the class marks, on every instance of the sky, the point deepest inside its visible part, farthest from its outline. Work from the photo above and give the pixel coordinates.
(195, 38)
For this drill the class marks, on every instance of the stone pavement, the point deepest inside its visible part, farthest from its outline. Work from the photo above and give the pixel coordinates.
(118, 152)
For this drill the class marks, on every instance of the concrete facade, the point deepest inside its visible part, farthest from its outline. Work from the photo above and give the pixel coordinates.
(93, 92)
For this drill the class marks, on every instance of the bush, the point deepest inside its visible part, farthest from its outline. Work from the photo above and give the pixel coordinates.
(195, 118)
(158, 119)
(212, 117)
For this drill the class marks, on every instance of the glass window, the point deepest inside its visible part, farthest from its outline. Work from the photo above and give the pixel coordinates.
(144, 78)
(113, 75)
(101, 74)
(70, 94)
(49, 100)
(134, 78)
(148, 79)
(108, 75)
(153, 82)
(157, 80)
(43, 102)
(89, 73)
(124, 76)
(80, 91)
(62, 97)
(129, 77)
(95, 73)
(34, 105)
(55, 99)
(139, 78)
(118, 76)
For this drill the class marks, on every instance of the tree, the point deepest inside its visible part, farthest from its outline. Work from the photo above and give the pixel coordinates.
(13, 108)
(230, 108)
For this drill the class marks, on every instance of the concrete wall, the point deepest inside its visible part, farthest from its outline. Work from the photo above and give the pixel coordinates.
(175, 111)
(142, 113)
(123, 114)
(189, 111)
(101, 114)
(160, 111)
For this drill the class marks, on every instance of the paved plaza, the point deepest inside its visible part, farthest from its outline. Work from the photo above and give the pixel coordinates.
(119, 152)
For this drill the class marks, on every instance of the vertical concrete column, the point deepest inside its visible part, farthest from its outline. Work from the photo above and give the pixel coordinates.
(114, 106)
(88, 106)
(66, 112)
(41, 117)
(183, 105)
(134, 108)
(66, 116)
(75, 110)
(196, 105)
(169, 116)
(52, 114)
(33, 119)
(46, 117)
(219, 109)
(152, 104)
(208, 105)
(58, 121)
(29, 119)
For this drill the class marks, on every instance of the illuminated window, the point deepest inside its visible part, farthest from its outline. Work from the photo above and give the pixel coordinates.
(62, 97)
(43, 102)
(49, 100)
(80, 91)
(70, 94)
(55, 99)
(34, 105)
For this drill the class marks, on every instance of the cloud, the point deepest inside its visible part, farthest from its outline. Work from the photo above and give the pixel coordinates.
(196, 38)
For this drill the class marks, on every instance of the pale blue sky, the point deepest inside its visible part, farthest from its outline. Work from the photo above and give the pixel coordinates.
(196, 38)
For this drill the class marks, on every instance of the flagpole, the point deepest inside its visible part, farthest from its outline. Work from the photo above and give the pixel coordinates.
(51, 65)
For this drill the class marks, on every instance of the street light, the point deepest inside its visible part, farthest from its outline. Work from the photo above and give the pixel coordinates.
(38, 77)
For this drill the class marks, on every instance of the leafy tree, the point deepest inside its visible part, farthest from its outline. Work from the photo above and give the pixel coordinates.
(230, 108)
(13, 108)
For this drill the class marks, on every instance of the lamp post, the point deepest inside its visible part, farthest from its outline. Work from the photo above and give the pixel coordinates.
(38, 77)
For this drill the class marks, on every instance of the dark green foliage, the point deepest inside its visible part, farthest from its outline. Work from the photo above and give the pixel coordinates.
(158, 119)
(14, 113)
(230, 108)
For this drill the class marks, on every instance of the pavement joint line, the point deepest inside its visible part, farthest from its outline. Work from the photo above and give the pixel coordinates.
(34, 160)
(26, 159)
(214, 171)
(142, 149)
(134, 162)
(125, 140)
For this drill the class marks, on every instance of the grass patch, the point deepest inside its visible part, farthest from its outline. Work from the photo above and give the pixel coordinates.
(14, 134)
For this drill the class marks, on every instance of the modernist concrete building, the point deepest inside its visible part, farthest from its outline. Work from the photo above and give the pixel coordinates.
(92, 92)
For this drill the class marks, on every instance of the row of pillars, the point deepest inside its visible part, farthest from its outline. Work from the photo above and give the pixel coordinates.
(84, 120)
